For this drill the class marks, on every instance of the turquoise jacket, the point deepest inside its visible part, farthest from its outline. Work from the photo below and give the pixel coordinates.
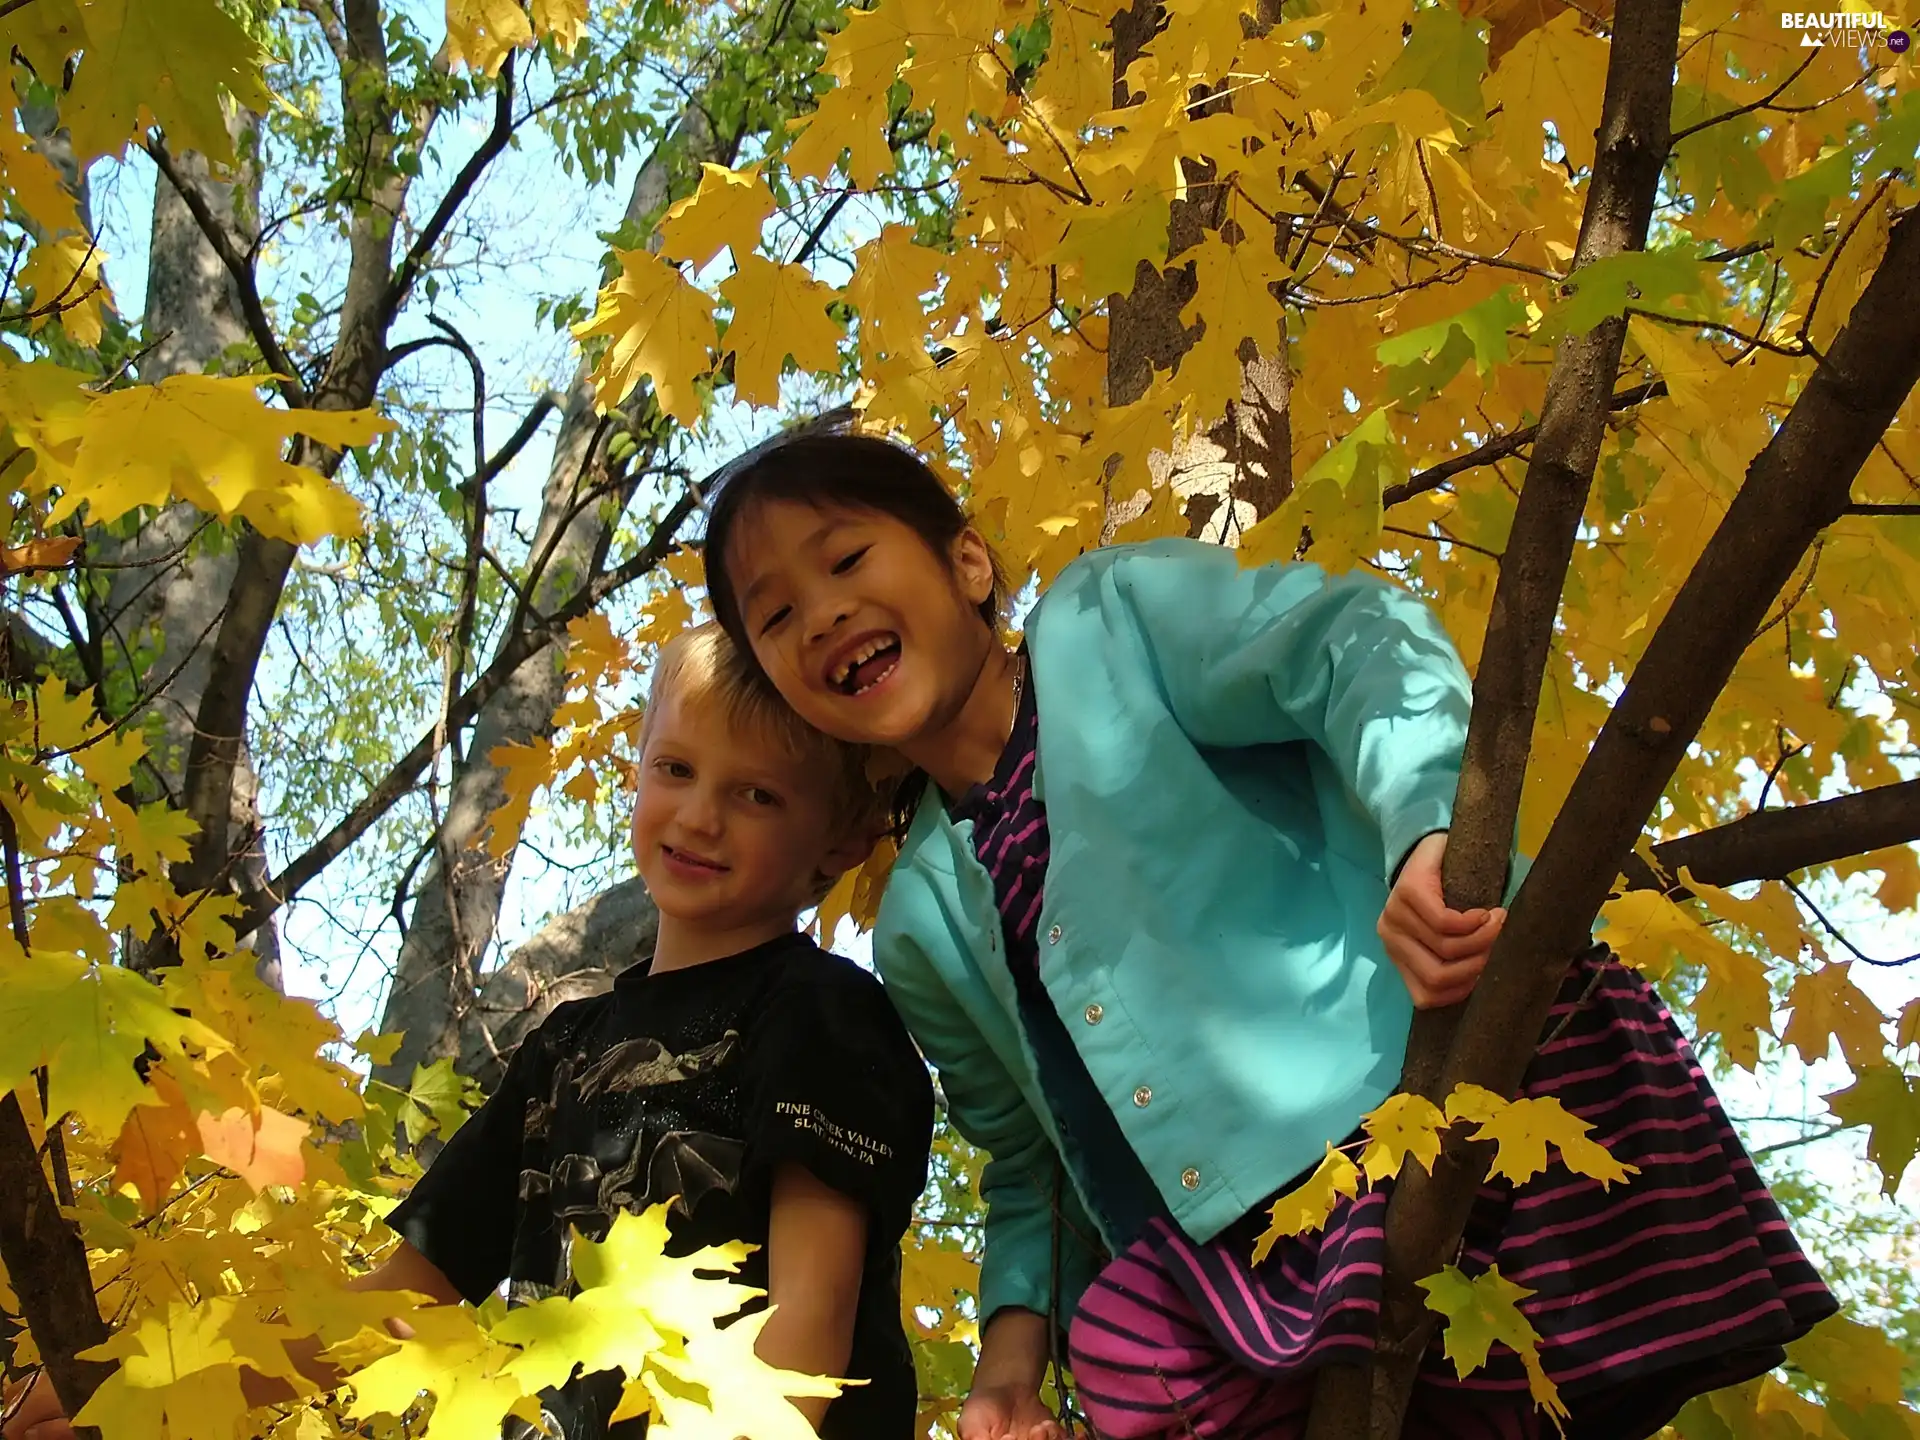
(1234, 762)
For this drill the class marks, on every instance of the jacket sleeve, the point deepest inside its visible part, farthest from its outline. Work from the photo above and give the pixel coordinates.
(1277, 653)
(1023, 1175)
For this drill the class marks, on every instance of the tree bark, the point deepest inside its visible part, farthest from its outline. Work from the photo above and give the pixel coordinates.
(1239, 469)
(1773, 844)
(1632, 146)
(46, 1263)
(1794, 488)
(436, 987)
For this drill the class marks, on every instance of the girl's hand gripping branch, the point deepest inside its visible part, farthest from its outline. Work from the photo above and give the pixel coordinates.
(1439, 952)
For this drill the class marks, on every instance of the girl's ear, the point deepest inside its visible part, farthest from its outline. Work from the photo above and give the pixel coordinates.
(973, 564)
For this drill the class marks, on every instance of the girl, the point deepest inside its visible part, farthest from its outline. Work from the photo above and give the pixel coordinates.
(1146, 921)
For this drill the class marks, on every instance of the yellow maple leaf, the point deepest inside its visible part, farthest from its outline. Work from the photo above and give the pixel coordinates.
(726, 211)
(168, 61)
(565, 21)
(64, 276)
(744, 1395)
(778, 311)
(482, 33)
(891, 277)
(1234, 302)
(1828, 1006)
(209, 439)
(452, 1356)
(526, 768)
(1857, 1364)
(1485, 1309)
(86, 1024)
(1645, 927)
(1474, 1103)
(933, 1275)
(660, 328)
(28, 175)
(1888, 1100)
(1907, 1032)
(1401, 1126)
(1307, 1206)
(1524, 1128)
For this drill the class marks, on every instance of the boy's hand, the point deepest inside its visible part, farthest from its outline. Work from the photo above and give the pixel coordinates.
(1438, 952)
(33, 1412)
(995, 1412)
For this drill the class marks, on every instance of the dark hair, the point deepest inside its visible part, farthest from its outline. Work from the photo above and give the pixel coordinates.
(818, 465)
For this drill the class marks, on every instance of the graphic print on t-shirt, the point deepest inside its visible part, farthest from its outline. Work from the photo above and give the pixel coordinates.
(693, 1088)
(651, 1151)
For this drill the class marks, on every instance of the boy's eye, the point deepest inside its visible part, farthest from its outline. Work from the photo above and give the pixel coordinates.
(677, 769)
(847, 562)
(760, 796)
(766, 626)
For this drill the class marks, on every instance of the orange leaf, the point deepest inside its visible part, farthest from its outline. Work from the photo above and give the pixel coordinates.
(46, 553)
(262, 1150)
(155, 1143)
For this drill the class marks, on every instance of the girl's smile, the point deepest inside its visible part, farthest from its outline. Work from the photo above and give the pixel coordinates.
(864, 663)
(870, 633)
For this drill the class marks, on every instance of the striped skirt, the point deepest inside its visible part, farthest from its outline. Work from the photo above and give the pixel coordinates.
(1683, 1280)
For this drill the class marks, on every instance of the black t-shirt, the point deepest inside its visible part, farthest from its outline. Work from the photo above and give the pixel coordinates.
(693, 1086)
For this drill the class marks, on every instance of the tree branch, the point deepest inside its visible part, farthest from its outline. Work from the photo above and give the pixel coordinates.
(43, 1251)
(221, 243)
(523, 434)
(522, 644)
(1500, 447)
(456, 196)
(1794, 488)
(1632, 149)
(1773, 844)
(476, 498)
(1761, 104)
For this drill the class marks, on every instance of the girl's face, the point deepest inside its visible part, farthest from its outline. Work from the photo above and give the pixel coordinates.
(867, 632)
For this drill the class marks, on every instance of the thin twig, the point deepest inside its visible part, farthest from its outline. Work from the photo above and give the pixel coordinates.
(1834, 930)
(1761, 104)
(287, 375)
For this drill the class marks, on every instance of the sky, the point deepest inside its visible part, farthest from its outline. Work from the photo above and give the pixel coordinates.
(525, 196)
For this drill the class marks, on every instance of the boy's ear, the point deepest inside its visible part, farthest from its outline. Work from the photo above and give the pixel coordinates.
(973, 564)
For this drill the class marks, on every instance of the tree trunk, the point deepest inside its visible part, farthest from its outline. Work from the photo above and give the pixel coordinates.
(1632, 148)
(437, 1000)
(157, 617)
(1239, 469)
(1795, 487)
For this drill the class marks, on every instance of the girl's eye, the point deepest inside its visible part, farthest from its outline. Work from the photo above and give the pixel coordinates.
(848, 562)
(767, 625)
(762, 797)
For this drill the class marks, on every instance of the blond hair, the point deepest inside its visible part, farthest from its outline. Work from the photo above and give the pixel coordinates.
(703, 665)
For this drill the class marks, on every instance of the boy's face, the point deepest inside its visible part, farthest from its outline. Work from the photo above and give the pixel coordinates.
(729, 831)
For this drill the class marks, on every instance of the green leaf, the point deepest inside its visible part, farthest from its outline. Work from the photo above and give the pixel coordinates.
(436, 1100)
(1889, 1101)
(1363, 455)
(1111, 240)
(1428, 357)
(1445, 56)
(1644, 279)
(1723, 157)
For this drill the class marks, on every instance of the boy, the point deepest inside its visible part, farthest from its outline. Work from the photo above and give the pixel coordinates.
(761, 1085)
